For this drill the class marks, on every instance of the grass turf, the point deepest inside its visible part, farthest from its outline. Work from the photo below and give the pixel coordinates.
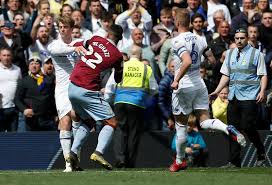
(193, 176)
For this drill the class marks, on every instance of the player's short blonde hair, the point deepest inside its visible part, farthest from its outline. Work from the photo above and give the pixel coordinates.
(182, 17)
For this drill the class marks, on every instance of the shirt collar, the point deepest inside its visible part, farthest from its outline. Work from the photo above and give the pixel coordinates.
(245, 48)
(4, 67)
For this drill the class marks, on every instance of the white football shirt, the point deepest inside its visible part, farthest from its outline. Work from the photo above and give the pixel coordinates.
(195, 45)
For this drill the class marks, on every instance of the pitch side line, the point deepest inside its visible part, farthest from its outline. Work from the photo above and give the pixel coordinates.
(54, 159)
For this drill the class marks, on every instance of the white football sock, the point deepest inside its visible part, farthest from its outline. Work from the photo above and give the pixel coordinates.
(104, 138)
(180, 142)
(214, 124)
(65, 141)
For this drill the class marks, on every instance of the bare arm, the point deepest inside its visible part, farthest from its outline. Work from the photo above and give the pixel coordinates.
(34, 30)
(186, 63)
(261, 96)
(223, 82)
(83, 5)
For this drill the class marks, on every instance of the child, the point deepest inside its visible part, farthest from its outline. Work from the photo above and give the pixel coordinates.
(195, 147)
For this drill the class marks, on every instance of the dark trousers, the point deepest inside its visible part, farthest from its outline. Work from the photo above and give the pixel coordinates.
(127, 134)
(41, 123)
(8, 119)
(243, 115)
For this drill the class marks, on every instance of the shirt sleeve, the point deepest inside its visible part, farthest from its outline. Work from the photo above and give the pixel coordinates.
(122, 18)
(178, 47)
(261, 68)
(110, 88)
(57, 48)
(225, 68)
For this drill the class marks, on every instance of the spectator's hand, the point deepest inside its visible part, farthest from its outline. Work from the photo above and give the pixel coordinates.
(205, 25)
(174, 85)
(171, 124)
(188, 150)
(251, 14)
(28, 113)
(38, 20)
(261, 97)
(33, 3)
(213, 94)
(135, 4)
(80, 50)
(102, 90)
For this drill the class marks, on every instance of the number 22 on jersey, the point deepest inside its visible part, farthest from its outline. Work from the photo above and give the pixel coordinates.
(92, 62)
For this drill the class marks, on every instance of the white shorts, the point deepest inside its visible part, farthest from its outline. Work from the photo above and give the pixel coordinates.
(63, 103)
(186, 102)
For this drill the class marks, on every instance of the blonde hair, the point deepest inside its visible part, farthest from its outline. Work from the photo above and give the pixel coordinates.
(192, 121)
(183, 17)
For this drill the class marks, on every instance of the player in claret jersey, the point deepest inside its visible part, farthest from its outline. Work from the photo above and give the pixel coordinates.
(84, 91)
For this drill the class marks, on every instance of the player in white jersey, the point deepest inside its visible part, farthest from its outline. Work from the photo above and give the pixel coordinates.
(190, 92)
(65, 52)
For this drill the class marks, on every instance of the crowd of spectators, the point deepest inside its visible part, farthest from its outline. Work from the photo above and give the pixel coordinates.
(28, 26)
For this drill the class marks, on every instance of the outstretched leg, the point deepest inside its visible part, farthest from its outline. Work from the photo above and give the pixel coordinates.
(216, 124)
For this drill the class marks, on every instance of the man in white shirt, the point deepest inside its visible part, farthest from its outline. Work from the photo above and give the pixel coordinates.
(190, 92)
(42, 40)
(213, 6)
(65, 52)
(9, 76)
(135, 17)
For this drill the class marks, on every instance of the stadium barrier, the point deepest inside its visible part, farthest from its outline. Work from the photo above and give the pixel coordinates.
(41, 150)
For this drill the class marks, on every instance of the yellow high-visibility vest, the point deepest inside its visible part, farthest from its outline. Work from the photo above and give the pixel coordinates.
(136, 75)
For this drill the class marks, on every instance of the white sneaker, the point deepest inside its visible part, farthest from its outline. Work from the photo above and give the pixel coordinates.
(68, 167)
(241, 140)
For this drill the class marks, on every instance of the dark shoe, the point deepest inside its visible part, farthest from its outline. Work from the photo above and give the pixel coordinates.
(78, 169)
(75, 162)
(120, 164)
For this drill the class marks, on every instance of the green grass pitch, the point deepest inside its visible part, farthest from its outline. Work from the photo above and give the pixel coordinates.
(192, 176)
